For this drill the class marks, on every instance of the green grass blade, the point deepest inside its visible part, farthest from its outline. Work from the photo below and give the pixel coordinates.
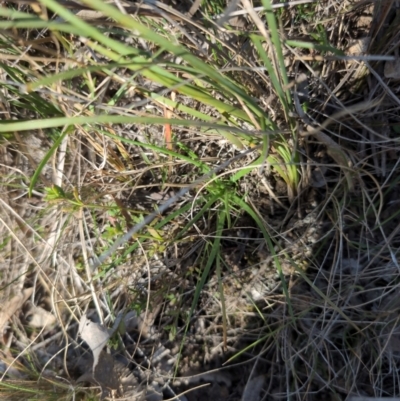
(13, 14)
(45, 159)
(275, 37)
(315, 46)
(155, 73)
(150, 35)
(257, 40)
(102, 119)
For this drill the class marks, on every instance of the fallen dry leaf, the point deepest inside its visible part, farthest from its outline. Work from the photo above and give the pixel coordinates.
(39, 317)
(95, 335)
(392, 69)
(12, 305)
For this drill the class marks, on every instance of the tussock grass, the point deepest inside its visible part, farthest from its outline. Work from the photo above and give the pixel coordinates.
(142, 151)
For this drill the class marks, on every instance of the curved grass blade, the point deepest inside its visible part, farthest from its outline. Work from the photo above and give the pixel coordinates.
(46, 158)
(315, 46)
(155, 73)
(6, 127)
(273, 27)
(257, 40)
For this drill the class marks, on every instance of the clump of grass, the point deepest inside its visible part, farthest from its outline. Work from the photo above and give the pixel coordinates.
(48, 389)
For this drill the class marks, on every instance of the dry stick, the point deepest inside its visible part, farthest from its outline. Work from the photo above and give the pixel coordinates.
(274, 6)
(367, 57)
(87, 267)
(195, 6)
(139, 9)
(167, 204)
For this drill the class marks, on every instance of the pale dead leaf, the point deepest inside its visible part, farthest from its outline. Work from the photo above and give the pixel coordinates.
(39, 317)
(252, 391)
(392, 69)
(359, 46)
(95, 335)
(90, 14)
(12, 305)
